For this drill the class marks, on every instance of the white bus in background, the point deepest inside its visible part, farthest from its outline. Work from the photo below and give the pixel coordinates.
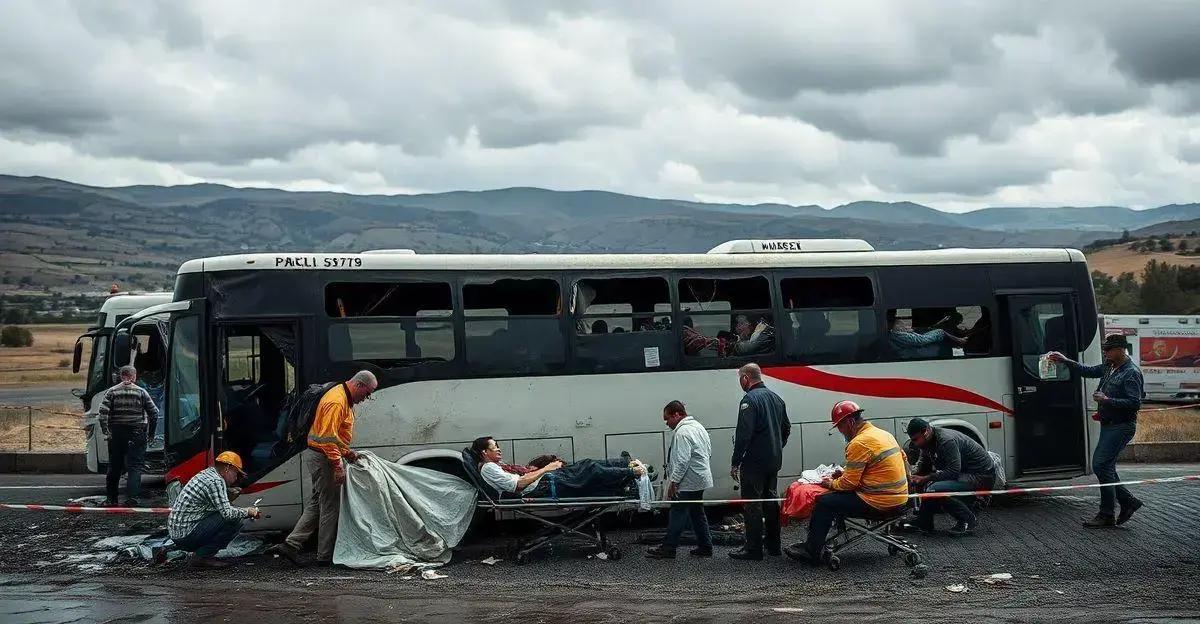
(1166, 347)
(577, 354)
(101, 374)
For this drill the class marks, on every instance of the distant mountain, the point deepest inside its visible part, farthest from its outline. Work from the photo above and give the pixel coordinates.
(58, 232)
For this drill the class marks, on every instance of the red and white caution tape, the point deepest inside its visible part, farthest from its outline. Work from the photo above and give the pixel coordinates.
(82, 509)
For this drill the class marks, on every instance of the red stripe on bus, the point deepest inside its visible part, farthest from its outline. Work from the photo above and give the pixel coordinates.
(265, 485)
(882, 387)
(189, 468)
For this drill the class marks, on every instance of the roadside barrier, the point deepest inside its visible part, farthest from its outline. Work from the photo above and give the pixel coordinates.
(82, 509)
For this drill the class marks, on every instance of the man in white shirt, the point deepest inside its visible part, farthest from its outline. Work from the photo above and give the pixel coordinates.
(688, 475)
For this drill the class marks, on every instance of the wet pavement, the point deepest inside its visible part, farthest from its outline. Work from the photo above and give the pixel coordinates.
(1061, 572)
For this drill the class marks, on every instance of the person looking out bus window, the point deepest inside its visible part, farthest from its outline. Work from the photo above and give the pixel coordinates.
(750, 339)
(128, 418)
(1118, 397)
(695, 342)
(328, 444)
(909, 344)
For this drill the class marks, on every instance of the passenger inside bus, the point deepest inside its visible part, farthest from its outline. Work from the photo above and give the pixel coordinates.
(584, 478)
(912, 344)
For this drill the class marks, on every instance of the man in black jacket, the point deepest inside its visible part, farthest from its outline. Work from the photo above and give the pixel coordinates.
(950, 461)
(762, 432)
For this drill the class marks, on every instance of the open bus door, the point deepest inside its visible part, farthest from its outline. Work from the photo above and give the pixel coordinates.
(188, 431)
(1051, 434)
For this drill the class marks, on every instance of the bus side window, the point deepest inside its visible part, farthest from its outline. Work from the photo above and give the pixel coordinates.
(726, 318)
(512, 327)
(830, 320)
(390, 324)
(622, 324)
(939, 332)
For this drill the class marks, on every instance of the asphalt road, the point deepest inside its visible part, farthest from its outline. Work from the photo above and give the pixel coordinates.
(38, 395)
(1145, 571)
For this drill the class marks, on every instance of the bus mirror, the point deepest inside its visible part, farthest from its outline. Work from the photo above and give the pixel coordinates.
(77, 358)
(121, 346)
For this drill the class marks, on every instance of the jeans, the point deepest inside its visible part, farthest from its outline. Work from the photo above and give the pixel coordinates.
(827, 508)
(1113, 439)
(126, 452)
(761, 485)
(955, 505)
(587, 477)
(688, 513)
(212, 534)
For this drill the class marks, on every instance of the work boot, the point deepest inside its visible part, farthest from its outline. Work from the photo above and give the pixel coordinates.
(212, 563)
(285, 550)
(799, 552)
(701, 551)
(742, 554)
(1127, 512)
(660, 552)
(109, 502)
(963, 529)
(133, 502)
(774, 551)
(1101, 521)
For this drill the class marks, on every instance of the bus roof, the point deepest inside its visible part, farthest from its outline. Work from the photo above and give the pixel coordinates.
(130, 303)
(451, 262)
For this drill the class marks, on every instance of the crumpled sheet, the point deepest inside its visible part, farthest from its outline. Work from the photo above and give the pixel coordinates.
(799, 500)
(818, 474)
(400, 517)
(1000, 481)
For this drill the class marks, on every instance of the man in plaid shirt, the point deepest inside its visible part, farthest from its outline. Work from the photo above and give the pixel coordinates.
(202, 521)
(128, 418)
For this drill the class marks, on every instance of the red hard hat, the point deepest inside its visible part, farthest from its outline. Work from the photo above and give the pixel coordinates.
(841, 410)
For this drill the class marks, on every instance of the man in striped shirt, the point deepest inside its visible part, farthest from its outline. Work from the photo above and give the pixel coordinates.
(202, 521)
(128, 418)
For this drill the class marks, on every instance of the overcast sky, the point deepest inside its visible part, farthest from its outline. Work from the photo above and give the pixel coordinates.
(957, 105)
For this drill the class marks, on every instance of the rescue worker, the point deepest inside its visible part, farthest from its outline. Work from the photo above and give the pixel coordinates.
(949, 461)
(762, 431)
(128, 418)
(875, 478)
(328, 444)
(688, 475)
(1119, 397)
(202, 521)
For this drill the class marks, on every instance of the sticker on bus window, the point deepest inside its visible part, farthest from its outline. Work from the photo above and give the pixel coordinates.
(652, 359)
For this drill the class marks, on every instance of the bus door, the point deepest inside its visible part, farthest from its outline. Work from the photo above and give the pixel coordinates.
(188, 430)
(1048, 415)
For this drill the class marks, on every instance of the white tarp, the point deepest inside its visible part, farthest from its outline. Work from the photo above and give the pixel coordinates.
(394, 516)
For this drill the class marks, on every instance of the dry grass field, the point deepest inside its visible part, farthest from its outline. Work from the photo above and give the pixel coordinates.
(1170, 426)
(55, 428)
(48, 361)
(1119, 259)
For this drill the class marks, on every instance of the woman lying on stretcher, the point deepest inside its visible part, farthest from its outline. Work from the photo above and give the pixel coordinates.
(584, 478)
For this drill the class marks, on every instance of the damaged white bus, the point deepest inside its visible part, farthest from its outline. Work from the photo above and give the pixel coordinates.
(577, 354)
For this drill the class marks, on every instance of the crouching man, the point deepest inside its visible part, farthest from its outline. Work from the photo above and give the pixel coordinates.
(202, 521)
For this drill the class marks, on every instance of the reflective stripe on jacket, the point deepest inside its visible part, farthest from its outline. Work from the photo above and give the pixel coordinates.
(876, 469)
(333, 426)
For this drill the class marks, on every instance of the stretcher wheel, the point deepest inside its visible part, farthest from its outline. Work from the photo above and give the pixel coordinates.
(892, 550)
(614, 553)
(834, 563)
(912, 559)
(920, 571)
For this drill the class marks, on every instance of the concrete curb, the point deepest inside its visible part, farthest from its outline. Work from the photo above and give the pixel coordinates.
(1161, 452)
(56, 463)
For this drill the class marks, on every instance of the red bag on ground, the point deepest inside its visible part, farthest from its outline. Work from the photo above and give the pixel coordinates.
(798, 501)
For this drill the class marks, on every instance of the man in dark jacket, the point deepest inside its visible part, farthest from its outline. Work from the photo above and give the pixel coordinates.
(950, 461)
(1118, 399)
(762, 432)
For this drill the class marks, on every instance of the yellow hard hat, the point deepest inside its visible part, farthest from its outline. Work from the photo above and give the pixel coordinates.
(231, 458)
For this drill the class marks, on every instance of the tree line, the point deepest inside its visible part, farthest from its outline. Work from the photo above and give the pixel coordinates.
(1163, 289)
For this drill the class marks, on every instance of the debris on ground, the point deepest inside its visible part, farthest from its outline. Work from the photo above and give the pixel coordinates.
(788, 610)
(120, 541)
(87, 501)
(1000, 578)
(491, 561)
(402, 568)
(958, 588)
(431, 574)
(603, 556)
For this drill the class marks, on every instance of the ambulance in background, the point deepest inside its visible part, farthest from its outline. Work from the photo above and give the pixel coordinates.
(1166, 347)
(101, 374)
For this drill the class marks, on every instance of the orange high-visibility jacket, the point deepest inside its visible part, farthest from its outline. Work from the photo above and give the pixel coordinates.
(876, 469)
(333, 427)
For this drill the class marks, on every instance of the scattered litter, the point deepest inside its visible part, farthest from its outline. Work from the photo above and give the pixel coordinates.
(87, 501)
(957, 588)
(90, 567)
(402, 568)
(309, 583)
(788, 610)
(1035, 576)
(491, 561)
(242, 546)
(407, 578)
(33, 526)
(1000, 578)
(603, 556)
(430, 574)
(1059, 592)
(120, 541)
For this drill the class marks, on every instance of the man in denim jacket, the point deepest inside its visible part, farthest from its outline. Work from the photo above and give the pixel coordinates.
(1119, 396)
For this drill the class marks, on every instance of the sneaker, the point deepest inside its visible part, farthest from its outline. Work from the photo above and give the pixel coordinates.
(962, 529)
(742, 554)
(286, 551)
(1127, 512)
(660, 552)
(1100, 521)
(701, 551)
(799, 552)
(210, 563)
